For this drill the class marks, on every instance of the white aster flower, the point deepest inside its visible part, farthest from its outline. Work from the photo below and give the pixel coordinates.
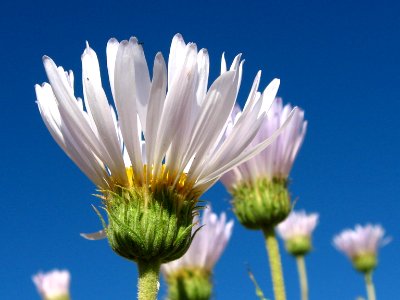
(362, 240)
(208, 245)
(169, 128)
(296, 231)
(276, 161)
(53, 284)
(297, 224)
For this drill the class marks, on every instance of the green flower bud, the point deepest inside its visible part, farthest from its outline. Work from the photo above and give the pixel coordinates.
(365, 262)
(261, 204)
(147, 225)
(299, 245)
(189, 284)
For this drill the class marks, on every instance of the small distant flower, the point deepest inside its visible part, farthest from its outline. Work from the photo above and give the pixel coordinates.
(189, 277)
(259, 185)
(361, 245)
(53, 285)
(296, 231)
(208, 245)
(297, 224)
(277, 160)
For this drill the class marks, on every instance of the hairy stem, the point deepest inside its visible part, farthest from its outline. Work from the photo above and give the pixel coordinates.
(275, 263)
(148, 280)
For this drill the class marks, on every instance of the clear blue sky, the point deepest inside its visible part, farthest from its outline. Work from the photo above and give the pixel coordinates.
(339, 60)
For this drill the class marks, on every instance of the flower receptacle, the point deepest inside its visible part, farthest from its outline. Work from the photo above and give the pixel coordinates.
(365, 262)
(262, 204)
(299, 245)
(149, 225)
(189, 283)
(60, 297)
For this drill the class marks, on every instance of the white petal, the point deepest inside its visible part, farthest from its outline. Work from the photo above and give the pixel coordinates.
(142, 81)
(268, 95)
(214, 112)
(175, 59)
(177, 104)
(246, 154)
(125, 100)
(71, 110)
(203, 66)
(188, 105)
(102, 117)
(99, 235)
(111, 50)
(223, 63)
(252, 95)
(156, 105)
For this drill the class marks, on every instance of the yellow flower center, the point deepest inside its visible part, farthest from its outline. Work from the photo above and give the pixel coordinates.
(163, 178)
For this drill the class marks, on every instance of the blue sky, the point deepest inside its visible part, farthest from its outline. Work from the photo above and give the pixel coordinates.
(338, 60)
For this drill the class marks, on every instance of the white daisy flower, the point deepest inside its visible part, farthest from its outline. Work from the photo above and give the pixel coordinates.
(170, 129)
(297, 224)
(362, 240)
(361, 247)
(53, 284)
(169, 141)
(296, 231)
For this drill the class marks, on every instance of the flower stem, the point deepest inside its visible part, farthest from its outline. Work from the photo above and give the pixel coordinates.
(148, 280)
(370, 286)
(301, 268)
(275, 263)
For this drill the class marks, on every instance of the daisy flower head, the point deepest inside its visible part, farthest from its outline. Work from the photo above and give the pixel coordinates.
(361, 245)
(53, 285)
(277, 160)
(193, 270)
(163, 143)
(259, 185)
(296, 231)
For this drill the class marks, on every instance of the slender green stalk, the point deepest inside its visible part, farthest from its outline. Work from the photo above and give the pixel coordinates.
(275, 263)
(370, 286)
(148, 280)
(301, 268)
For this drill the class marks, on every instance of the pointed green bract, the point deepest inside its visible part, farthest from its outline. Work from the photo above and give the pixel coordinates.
(261, 204)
